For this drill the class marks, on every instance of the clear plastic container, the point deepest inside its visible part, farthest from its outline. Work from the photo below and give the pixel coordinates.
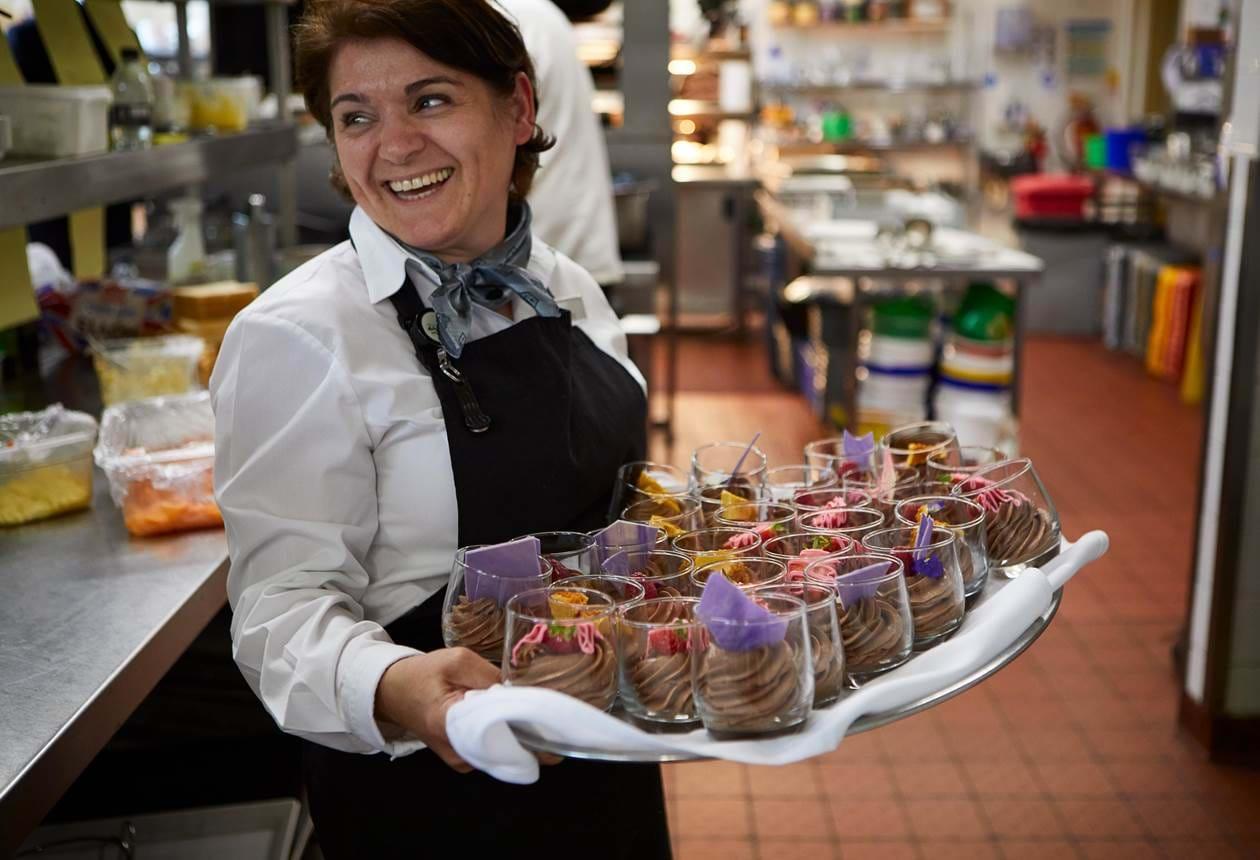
(45, 464)
(159, 457)
(143, 367)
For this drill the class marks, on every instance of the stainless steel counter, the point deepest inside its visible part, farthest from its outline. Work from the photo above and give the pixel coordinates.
(90, 620)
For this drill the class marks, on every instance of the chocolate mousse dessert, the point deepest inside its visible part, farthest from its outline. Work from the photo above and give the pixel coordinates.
(874, 634)
(477, 625)
(575, 660)
(1018, 531)
(936, 606)
(748, 692)
(828, 663)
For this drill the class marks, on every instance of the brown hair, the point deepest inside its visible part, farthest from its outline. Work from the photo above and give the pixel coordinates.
(469, 35)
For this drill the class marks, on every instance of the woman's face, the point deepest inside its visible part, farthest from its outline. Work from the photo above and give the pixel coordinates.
(427, 150)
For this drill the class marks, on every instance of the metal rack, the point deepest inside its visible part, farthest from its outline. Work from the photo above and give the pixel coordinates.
(38, 189)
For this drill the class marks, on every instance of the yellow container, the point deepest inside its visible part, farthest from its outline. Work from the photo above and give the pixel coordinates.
(45, 464)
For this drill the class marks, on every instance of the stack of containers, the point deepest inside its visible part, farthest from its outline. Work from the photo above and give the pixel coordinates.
(897, 356)
(977, 369)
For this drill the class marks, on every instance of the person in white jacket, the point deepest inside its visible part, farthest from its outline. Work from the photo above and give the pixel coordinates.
(441, 380)
(572, 197)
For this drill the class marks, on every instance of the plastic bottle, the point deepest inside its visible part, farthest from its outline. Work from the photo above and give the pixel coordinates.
(187, 255)
(131, 114)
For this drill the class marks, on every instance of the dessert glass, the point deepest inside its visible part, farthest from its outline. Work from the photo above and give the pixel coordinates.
(754, 677)
(946, 467)
(933, 580)
(567, 553)
(767, 519)
(782, 482)
(563, 639)
(662, 572)
(645, 480)
(874, 611)
(655, 640)
(1021, 524)
(965, 519)
(673, 515)
(709, 545)
(714, 465)
(745, 572)
(912, 444)
(798, 549)
(828, 454)
(851, 523)
(825, 645)
(624, 591)
(472, 610)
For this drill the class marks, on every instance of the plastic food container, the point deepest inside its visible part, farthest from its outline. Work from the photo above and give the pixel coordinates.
(137, 368)
(52, 121)
(159, 457)
(45, 464)
(223, 104)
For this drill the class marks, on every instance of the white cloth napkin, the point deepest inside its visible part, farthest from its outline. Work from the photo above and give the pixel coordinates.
(479, 727)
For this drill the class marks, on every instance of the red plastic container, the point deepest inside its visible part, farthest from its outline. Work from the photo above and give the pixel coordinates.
(1051, 195)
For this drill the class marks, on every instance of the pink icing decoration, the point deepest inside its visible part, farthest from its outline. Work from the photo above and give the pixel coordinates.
(586, 636)
(835, 518)
(887, 474)
(536, 636)
(837, 502)
(740, 541)
(991, 497)
(765, 531)
(796, 566)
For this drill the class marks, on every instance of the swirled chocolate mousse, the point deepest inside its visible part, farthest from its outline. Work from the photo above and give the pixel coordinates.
(663, 685)
(663, 611)
(749, 691)
(873, 633)
(1018, 531)
(477, 625)
(581, 663)
(935, 605)
(828, 664)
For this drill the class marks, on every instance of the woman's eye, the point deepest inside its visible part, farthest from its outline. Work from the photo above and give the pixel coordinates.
(426, 102)
(352, 119)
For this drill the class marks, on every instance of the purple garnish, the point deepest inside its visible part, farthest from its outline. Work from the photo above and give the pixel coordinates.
(861, 584)
(735, 620)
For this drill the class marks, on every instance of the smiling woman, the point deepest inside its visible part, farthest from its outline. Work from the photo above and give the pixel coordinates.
(441, 380)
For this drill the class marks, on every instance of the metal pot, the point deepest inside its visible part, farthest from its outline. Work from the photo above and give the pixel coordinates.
(631, 200)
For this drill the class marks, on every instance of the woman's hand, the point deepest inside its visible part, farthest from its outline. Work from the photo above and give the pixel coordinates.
(416, 692)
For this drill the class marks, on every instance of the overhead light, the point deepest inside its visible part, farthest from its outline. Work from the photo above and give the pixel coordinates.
(682, 67)
(686, 126)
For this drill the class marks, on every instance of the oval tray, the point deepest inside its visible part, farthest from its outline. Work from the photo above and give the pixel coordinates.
(862, 724)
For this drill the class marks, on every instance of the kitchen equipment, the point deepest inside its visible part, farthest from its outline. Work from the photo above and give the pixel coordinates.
(254, 237)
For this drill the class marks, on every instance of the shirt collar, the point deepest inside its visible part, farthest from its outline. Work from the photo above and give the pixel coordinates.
(385, 263)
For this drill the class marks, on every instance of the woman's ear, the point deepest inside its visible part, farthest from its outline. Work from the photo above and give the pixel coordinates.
(523, 111)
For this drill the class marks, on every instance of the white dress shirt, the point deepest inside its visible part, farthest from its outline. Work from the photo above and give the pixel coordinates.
(572, 197)
(334, 476)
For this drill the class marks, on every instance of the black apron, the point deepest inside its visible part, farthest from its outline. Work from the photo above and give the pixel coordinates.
(538, 420)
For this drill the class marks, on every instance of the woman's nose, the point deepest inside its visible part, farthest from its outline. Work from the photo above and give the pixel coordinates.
(400, 140)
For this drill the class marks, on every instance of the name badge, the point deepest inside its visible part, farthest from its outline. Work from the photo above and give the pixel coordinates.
(428, 324)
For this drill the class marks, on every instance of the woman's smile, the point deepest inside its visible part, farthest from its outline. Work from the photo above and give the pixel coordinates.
(421, 186)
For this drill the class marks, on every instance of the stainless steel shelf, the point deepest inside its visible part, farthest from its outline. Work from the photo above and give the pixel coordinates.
(36, 190)
(873, 86)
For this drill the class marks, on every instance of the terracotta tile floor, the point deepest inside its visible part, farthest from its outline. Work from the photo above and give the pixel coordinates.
(1072, 751)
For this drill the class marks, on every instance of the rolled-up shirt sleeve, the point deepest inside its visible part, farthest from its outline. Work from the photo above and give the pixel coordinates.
(296, 482)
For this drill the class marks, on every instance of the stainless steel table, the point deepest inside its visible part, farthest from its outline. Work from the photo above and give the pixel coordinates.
(90, 620)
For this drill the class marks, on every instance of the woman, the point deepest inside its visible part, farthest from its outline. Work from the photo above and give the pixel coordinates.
(438, 381)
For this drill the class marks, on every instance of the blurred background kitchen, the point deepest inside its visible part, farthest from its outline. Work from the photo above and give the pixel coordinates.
(1030, 219)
